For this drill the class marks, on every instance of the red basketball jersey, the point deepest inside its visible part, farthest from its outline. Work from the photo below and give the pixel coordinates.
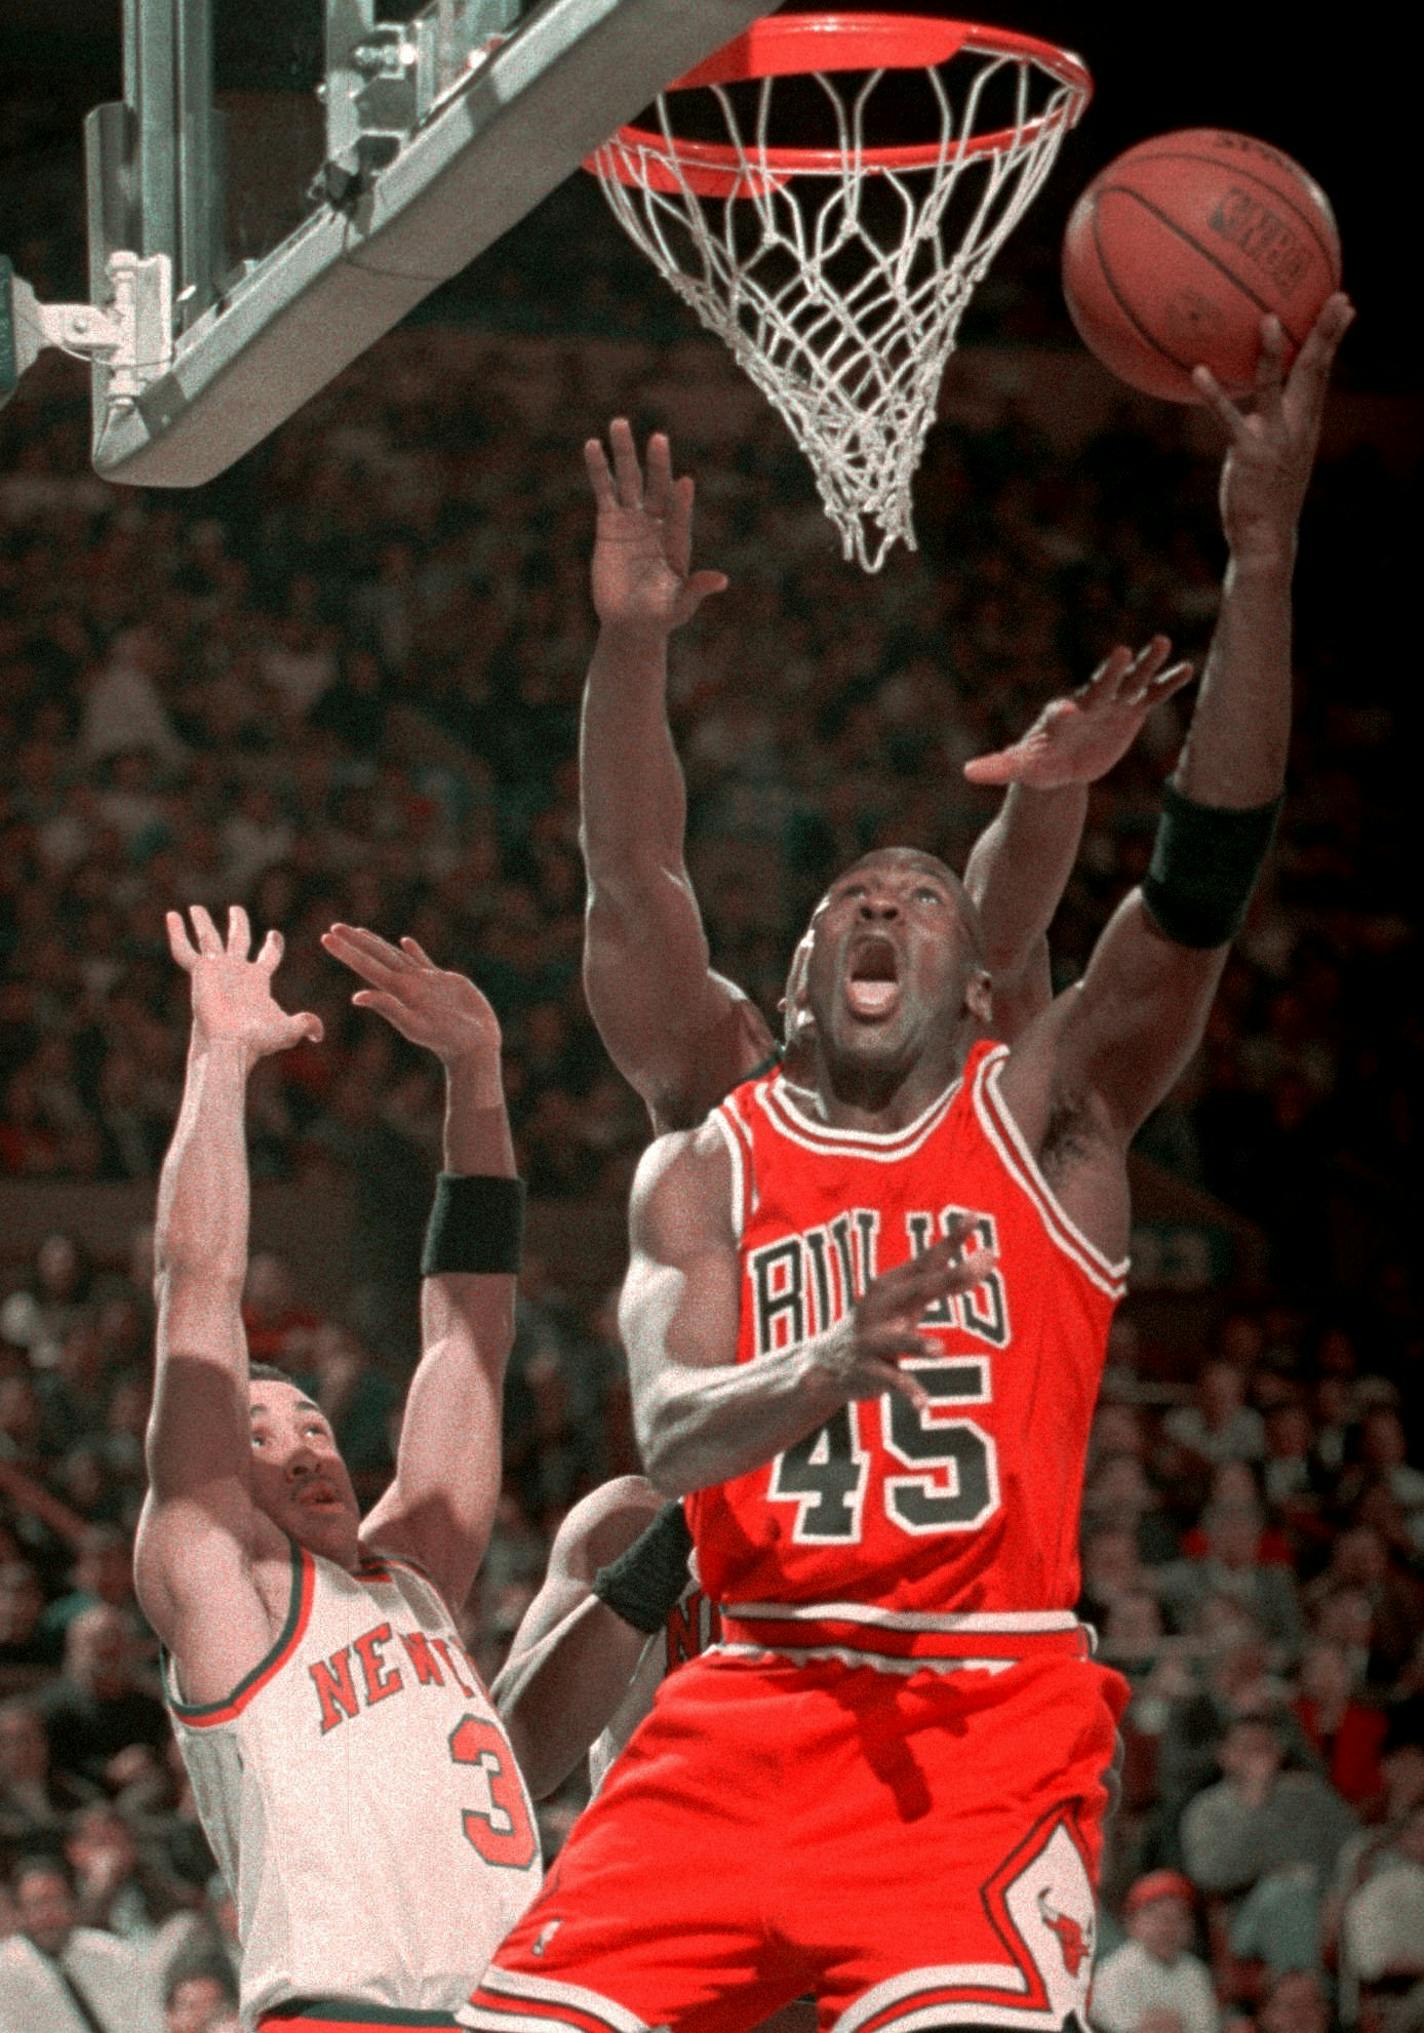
(963, 1518)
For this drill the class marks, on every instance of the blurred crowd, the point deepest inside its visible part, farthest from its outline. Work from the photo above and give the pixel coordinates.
(342, 683)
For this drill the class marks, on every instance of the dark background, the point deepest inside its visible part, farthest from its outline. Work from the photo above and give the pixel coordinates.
(1323, 95)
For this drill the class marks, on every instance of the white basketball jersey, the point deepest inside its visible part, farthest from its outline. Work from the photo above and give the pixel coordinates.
(361, 1797)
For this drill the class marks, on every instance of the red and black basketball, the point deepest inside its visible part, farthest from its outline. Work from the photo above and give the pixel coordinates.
(1178, 249)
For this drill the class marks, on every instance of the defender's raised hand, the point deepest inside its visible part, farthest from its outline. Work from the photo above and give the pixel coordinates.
(232, 994)
(642, 555)
(430, 1005)
(1271, 449)
(863, 1352)
(1078, 739)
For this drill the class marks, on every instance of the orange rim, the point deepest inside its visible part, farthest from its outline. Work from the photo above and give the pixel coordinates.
(797, 44)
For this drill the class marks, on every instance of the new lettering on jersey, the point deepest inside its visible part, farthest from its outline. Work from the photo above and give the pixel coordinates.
(970, 1505)
(365, 1752)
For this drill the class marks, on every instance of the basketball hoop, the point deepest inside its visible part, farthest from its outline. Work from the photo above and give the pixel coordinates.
(837, 272)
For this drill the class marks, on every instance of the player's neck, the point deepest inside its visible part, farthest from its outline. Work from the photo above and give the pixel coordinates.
(877, 1099)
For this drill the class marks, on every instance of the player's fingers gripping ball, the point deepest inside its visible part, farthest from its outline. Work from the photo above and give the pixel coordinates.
(1179, 248)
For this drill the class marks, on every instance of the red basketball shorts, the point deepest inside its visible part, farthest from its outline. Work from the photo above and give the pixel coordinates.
(917, 1850)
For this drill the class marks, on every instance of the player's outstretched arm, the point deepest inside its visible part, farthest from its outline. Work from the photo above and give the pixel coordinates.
(1119, 1041)
(701, 1417)
(198, 1520)
(573, 1657)
(439, 1509)
(1022, 861)
(680, 1034)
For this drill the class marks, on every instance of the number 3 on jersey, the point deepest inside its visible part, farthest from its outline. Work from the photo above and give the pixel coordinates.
(954, 1486)
(498, 1825)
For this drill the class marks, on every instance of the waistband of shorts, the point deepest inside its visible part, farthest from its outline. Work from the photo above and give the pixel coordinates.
(347, 2015)
(903, 1638)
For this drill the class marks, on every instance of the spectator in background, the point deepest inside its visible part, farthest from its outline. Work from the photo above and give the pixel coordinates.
(1220, 1425)
(124, 713)
(1360, 1564)
(1112, 1569)
(1344, 1733)
(59, 1977)
(120, 1886)
(39, 1314)
(279, 1326)
(1382, 1464)
(26, 1647)
(100, 1706)
(198, 1995)
(1266, 1839)
(103, 1573)
(1293, 1478)
(1234, 1679)
(1229, 1567)
(36, 1802)
(1120, 1494)
(1296, 2001)
(1376, 1848)
(1154, 1969)
(1382, 1935)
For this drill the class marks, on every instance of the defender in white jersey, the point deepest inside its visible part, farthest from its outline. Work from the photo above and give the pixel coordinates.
(351, 1772)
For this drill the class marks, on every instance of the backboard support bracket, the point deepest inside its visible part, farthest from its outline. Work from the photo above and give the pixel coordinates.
(442, 132)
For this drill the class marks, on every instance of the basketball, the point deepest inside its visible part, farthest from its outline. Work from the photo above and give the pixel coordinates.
(1176, 251)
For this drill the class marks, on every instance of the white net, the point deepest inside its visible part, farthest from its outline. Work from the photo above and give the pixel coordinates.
(839, 286)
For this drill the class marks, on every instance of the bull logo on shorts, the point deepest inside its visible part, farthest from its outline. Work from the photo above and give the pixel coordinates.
(1075, 1941)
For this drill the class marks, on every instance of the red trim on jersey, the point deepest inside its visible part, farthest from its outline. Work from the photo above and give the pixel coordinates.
(207, 1715)
(797, 1634)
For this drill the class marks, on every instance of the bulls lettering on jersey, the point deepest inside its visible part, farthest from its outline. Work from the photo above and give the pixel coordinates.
(972, 1505)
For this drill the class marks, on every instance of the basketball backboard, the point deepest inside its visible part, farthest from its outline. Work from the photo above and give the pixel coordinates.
(287, 182)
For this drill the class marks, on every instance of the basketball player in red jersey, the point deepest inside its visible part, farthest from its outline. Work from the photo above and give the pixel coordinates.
(580, 1675)
(893, 1762)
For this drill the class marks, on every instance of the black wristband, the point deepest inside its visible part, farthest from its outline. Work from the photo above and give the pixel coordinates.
(476, 1224)
(1205, 862)
(645, 1583)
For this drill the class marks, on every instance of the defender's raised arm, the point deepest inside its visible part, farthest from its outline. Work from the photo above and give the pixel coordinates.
(199, 1524)
(680, 1034)
(439, 1509)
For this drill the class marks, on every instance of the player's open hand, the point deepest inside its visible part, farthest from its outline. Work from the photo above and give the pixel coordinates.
(1271, 449)
(863, 1353)
(432, 1006)
(1078, 739)
(232, 994)
(642, 555)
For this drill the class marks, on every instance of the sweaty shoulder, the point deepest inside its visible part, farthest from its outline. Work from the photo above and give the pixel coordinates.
(682, 1194)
